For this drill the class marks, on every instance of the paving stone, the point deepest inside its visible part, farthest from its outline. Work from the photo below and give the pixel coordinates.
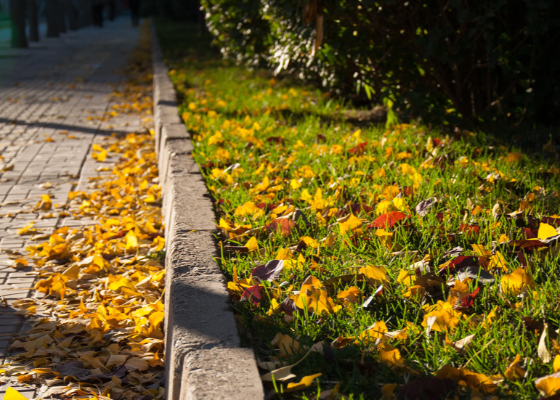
(44, 75)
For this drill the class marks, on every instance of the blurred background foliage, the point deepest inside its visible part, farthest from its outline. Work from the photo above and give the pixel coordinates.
(456, 62)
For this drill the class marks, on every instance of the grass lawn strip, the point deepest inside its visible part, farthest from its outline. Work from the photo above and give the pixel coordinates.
(97, 331)
(368, 261)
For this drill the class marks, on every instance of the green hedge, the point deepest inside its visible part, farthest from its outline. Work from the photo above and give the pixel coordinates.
(239, 29)
(443, 61)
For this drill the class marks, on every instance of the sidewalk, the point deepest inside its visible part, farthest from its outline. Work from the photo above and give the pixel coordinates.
(54, 104)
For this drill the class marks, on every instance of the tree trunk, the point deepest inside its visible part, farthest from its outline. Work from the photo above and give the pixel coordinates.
(84, 13)
(61, 15)
(33, 14)
(111, 10)
(202, 28)
(51, 11)
(72, 13)
(17, 16)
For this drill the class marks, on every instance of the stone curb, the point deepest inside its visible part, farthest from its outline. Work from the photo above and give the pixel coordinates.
(203, 356)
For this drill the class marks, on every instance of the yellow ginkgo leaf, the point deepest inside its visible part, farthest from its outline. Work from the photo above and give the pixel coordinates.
(249, 208)
(497, 262)
(374, 275)
(556, 363)
(20, 263)
(480, 250)
(516, 281)
(309, 241)
(390, 355)
(131, 241)
(12, 394)
(224, 225)
(486, 384)
(350, 296)
(446, 318)
(548, 385)
(349, 225)
(373, 333)
(383, 206)
(415, 292)
(283, 254)
(546, 231)
(27, 229)
(387, 391)
(314, 297)
(406, 278)
(386, 238)
(515, 370)
(305, 382)
(101, 156)
(252, 244)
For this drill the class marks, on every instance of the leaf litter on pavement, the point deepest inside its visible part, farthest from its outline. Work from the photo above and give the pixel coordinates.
(416, 264)
(96, 321)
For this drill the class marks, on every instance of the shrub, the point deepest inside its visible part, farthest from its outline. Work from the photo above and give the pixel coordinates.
(239, 29)
(443, 61)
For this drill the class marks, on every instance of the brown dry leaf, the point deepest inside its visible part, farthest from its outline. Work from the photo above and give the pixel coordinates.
(542, 350)
(285, 373)
(280, 374)
(462, 344)
(287, 345)
(137, 363)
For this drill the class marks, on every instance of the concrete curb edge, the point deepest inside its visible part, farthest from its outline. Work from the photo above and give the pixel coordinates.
(203, 356)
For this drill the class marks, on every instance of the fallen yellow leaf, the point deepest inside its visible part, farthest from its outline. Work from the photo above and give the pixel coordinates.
(13, 394)
(305, 382)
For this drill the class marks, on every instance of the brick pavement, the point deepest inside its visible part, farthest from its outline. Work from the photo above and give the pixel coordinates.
(53, 99)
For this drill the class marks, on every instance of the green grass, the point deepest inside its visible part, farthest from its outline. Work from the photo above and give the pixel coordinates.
(248, 127)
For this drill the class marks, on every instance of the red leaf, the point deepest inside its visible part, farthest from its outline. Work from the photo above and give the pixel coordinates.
(526, 244)
(464, 261)
(358, 208)
(555, 222)
(268, 272)
(407, 190)
(253, 294)
(522, 259)
(468, 300)
(359, 149)
(388, 220)
(282, 226)
(527, 233)
(320, 138)
(288, 306)
(266, 206)
(464, 228)
(460, 263)
(276, 139)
